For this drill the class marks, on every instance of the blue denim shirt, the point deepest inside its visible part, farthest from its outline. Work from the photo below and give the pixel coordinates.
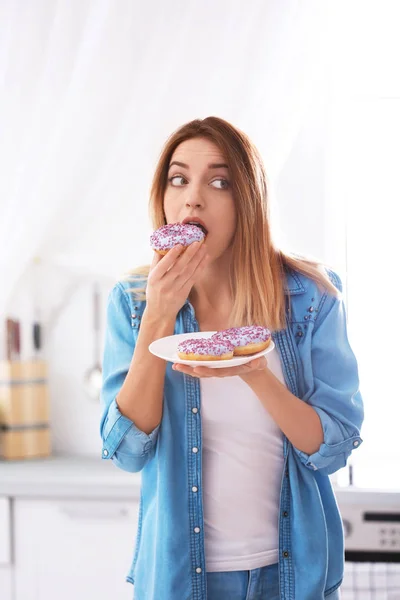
(319, 367)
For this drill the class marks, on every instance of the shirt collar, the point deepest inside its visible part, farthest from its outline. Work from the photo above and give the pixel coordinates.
(293, 284)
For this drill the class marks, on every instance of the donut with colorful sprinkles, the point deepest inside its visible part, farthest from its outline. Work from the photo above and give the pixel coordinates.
(246, 340)
(205, 349)
(166, 237)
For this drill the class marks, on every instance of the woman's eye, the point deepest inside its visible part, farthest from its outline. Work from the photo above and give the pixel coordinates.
(224, 184)
(176, 179)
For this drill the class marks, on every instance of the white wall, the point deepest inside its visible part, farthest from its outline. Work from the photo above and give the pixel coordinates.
(75, 416)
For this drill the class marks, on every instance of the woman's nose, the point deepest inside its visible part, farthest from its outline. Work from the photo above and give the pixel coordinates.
(194, 201)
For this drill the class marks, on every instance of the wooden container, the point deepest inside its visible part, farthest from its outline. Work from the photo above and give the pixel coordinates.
(24, 410)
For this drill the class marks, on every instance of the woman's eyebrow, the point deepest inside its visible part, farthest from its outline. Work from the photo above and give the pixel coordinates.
(210, 166)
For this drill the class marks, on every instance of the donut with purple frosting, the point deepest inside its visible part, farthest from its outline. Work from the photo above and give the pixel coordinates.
(246, 340)
(205, 349)
(168, 236)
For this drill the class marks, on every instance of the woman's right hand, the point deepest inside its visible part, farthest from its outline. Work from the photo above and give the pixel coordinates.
(172, 277)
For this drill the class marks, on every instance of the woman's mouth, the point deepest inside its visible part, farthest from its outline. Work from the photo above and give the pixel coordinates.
(199, 225)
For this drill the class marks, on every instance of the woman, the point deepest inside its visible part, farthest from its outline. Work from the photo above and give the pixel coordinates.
(236, 501)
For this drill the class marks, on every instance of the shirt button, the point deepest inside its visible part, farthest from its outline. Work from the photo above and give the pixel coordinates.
(198, 570)
(194, 489)
(356, 443)
(197, 529)
(195, 450)
(195, 410)
(105, 452)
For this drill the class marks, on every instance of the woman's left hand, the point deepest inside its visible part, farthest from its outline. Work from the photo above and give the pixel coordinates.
(246, 371)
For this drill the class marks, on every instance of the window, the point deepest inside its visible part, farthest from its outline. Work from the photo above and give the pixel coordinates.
(364, 163)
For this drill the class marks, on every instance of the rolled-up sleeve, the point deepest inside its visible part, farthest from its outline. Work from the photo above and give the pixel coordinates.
(123, 442)
(335, 395)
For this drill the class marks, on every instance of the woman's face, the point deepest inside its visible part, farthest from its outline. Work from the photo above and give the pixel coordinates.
(199, 185)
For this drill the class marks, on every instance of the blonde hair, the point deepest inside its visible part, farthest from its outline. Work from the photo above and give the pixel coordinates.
(258, 267)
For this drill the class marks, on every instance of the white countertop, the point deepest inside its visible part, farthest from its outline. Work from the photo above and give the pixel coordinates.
(67, 477)
(91, 477)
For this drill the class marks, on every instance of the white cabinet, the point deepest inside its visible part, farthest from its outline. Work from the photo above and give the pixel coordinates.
(73, 549)
(5, 531)
(5, 583)
(5, 548)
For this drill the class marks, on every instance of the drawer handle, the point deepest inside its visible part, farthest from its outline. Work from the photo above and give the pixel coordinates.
(94, 513)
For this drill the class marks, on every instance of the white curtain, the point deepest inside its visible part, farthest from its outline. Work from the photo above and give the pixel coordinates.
(90, 90)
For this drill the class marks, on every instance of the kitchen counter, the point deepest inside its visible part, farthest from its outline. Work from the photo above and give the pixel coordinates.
(91, 477)
(67, 477)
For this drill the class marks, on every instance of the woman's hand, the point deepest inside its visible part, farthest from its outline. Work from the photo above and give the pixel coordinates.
(172, 277)
(247, 371)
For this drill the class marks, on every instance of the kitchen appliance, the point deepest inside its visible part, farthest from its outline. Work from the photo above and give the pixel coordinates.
(371, 522)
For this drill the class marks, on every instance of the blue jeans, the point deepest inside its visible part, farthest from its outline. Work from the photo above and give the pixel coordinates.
(257, 584)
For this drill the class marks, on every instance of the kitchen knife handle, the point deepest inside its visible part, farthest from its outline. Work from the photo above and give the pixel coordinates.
(37, 336)
(17, 345)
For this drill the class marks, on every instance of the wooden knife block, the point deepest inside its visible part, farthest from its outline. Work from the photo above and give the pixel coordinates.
(24, 410)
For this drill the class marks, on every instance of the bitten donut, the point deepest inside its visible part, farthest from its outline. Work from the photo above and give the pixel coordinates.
(205, 349)
(168, 236)
(246, 340)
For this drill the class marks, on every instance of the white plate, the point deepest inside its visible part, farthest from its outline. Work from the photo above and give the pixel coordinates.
(166, 348)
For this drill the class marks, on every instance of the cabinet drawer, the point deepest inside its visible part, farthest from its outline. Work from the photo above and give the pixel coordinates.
(74, 548)
(5, 531)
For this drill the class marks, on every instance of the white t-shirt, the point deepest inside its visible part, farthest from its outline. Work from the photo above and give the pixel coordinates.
(242, 474)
